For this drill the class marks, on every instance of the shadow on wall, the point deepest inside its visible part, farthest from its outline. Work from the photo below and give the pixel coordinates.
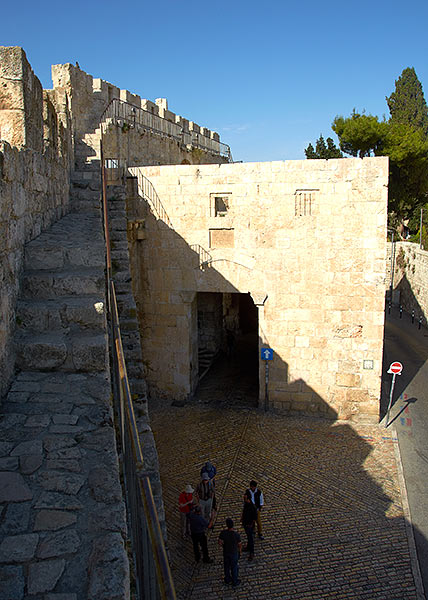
(167, 273)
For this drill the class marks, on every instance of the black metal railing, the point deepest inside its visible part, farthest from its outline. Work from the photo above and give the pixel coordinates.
(152, 572)
(128, 116)
(205, 257)
(147, 191)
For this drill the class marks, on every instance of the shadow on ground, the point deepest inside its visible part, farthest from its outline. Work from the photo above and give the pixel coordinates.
(334, 524)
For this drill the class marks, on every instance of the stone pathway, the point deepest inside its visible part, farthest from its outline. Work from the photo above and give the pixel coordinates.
(62, 515)
(334, 524)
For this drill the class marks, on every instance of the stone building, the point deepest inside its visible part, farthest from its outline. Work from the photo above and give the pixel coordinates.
(286, 255)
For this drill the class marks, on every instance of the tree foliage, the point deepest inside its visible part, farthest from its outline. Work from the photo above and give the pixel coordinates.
(407, 104)
(365, 135)
(403, 138)
(359, 135)
(323, 149)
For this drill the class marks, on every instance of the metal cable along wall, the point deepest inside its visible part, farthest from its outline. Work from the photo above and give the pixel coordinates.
(153, 575)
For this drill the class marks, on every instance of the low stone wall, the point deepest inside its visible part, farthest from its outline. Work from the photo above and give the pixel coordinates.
(411, 277)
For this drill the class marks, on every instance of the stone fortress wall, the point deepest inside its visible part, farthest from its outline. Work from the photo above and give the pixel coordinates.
(47, 140)
(137, 131)
(306, 239)
(35, 162)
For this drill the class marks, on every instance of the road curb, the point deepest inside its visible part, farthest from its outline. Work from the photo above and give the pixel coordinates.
(408, 522)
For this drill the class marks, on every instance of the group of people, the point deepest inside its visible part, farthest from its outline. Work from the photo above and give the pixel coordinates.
(198, 510)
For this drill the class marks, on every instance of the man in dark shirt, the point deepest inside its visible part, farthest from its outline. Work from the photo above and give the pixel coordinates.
(198, 526)
(248, 520)
(230, 541)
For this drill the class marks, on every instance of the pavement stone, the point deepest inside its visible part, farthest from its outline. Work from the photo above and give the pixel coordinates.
(333, 520)
(12, 582)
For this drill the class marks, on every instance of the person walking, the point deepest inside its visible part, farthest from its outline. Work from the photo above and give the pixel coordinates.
(230, 541)
(185, 505)
(257, 499)
(205, 492)
(248, 520)
(210, 470)
(198, 526)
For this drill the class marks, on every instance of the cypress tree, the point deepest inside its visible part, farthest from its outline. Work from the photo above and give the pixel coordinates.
(407, 103)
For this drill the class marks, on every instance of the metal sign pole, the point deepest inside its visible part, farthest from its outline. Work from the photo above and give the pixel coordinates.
(390, 399)
(394, 370)
(266, 384)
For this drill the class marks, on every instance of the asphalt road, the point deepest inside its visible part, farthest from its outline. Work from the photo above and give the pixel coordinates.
(406, 343)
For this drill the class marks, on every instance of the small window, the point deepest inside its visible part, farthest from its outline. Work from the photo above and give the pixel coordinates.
(220, 204)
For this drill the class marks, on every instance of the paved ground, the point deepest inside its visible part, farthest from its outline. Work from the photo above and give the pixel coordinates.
(334, 524)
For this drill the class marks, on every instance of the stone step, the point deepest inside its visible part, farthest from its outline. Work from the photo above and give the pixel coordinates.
(85, 206)
(54, 350)
(73, 313)
(74, 282)
(50, 254)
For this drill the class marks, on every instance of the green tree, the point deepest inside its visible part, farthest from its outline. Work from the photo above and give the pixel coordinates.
(323, 149)
(360, 135)
(407, 104)
(364, 135)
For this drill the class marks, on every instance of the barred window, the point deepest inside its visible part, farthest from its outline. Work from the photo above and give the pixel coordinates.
(304, 203)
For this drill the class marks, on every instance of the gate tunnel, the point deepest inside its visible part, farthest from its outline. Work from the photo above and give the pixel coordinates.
(227, 341)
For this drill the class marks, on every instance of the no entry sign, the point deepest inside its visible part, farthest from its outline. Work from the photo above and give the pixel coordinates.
(396, 368)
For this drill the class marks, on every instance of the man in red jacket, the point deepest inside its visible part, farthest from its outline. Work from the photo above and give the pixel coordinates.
(185, 505)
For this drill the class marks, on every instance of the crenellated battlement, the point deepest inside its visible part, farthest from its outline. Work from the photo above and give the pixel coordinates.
(96, 94)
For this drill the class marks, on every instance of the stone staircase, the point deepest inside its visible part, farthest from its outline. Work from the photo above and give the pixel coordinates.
(60, 312)
(206, 358)
(62, 514)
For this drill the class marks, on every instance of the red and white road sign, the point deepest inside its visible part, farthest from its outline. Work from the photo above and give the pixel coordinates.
(396, 368)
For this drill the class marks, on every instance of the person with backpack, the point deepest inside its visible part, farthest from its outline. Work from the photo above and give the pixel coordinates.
(205, 493)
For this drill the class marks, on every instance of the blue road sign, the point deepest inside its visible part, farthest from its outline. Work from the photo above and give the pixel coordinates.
(266, 353)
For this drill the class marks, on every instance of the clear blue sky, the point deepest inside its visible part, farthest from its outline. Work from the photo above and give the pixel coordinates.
(269, 77)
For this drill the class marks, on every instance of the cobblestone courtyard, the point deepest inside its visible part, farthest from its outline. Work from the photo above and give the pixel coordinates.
(333, 522)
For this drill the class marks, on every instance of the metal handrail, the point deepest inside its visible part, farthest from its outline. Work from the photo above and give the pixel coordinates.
(153, 574)
(204, 256)
(147, 191)
(120, 110)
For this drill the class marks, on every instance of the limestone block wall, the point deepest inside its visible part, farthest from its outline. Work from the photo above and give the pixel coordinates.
(35, 157)
(306, 239)
(88, 97)
(139, 146)
(411, 278)
(21, 100)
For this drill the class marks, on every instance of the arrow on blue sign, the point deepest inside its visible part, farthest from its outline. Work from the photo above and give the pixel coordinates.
(267, 353)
